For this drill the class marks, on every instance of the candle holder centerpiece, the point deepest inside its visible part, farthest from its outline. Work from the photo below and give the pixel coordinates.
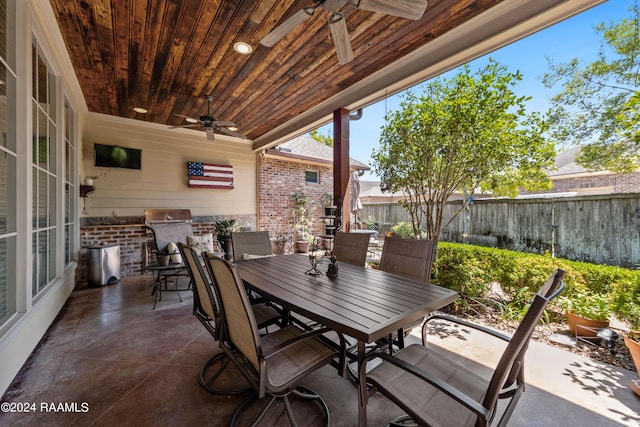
(316, 257)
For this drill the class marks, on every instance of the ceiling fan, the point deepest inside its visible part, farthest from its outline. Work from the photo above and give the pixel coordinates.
(410, 9)
(210, 124)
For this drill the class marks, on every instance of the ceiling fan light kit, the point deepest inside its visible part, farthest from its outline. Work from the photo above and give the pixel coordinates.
(409, 9)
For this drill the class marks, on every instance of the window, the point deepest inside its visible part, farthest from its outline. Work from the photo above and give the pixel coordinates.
(311, 177)
(70, 196)
(44, 170)
(8, 171)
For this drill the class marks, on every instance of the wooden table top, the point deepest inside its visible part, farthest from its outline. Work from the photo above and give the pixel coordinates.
(363, 303)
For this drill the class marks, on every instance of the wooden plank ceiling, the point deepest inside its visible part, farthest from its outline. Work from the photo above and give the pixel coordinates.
(166, 55)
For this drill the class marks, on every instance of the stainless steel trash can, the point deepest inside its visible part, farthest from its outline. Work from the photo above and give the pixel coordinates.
(104, 265)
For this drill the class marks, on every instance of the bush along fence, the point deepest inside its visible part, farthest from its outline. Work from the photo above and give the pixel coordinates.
(474, 270)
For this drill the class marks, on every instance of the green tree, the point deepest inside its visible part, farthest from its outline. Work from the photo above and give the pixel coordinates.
(325, 139)
(465, 133)
(598, 103)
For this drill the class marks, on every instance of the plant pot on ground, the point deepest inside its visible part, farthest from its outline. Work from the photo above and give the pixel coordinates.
(584, 326)
(632, 341)
(302, 246)
(586, 312)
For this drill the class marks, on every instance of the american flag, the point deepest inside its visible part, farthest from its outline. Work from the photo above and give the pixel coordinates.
(205, 175)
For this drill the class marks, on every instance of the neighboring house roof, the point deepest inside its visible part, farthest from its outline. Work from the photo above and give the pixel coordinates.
(565, 163)
(306, 148)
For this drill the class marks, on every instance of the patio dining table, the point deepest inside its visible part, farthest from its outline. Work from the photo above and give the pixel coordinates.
(363, 303)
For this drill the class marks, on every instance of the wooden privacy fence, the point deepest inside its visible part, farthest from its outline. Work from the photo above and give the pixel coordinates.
(603, 229)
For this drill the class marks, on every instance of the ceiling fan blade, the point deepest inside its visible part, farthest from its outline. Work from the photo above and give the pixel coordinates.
(192, 125)
(283, 29)
(223, 123)
(187, 118)
(211, 136)
(410, 9)
(340, 36)
(232, 133)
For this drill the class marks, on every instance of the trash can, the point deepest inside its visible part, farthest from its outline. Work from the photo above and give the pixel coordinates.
(104, 265)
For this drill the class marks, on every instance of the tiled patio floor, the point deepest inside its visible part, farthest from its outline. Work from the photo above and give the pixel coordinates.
(136, 366)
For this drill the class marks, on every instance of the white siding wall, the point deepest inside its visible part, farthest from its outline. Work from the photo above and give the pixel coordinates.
(162, 181)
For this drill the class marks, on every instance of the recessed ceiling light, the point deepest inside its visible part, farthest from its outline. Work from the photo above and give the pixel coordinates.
(242, 48)
(140, 110)
(190, 120)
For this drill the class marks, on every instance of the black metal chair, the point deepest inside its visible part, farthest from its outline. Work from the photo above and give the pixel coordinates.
(433, 389)
(274, 364)
(206, 310)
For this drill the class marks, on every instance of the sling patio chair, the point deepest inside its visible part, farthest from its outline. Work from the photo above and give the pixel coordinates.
(351, 248)
(250, 244)
(410, 258)
(274, 364)
(206, 309)
(436, 390)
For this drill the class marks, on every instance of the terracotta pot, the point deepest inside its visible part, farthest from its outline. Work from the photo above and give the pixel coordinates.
(585, 327)
(303, 247)
(634, 349)
(389, 234)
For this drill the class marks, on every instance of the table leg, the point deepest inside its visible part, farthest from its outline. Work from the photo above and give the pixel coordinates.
(362, 388)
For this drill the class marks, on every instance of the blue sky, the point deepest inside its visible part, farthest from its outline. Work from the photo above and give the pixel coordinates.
(572, 38)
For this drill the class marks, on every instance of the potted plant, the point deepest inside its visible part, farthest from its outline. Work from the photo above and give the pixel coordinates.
(329, 207)
(302, 223)
(632, 340)
(586, 312)
(223, 234)
(374, 264)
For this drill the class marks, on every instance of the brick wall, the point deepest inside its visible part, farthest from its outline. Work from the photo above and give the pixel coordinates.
(133, 239)
(277, 181)
(621, 183)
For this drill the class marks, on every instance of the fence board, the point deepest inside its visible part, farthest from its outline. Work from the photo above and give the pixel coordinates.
(603, 229)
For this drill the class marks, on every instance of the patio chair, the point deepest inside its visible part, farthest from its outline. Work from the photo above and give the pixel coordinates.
(434, 389)
(274, 364)
(351, 247)
(250, 244)
(206, 310)
(410, 258)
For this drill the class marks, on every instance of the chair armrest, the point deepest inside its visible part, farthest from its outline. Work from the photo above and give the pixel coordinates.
(311, 334)
(305, 335)
(481, 328)
(446, 388)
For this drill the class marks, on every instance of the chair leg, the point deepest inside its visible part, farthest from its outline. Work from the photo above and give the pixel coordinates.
(402, 421)
(300, 391)
(211, 372)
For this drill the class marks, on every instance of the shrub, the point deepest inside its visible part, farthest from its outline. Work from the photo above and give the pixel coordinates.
(403, 229)
(472, 270)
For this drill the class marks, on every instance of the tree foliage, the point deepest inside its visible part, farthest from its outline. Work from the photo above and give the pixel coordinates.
(463, 134)
(598, 103)
(325, 139)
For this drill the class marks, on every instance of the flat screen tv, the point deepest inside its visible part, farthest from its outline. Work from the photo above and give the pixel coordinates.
(112, 156)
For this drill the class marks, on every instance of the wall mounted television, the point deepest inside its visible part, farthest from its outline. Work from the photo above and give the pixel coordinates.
(112, 156)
